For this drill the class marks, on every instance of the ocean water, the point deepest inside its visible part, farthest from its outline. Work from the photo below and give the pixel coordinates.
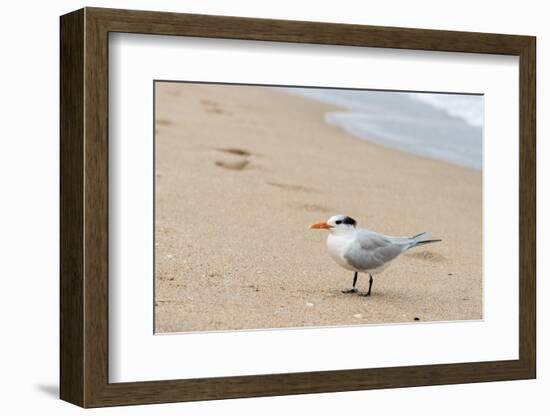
(447, 127)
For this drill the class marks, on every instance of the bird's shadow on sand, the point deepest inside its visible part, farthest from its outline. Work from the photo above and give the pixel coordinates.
(388, 296)
(51, 390)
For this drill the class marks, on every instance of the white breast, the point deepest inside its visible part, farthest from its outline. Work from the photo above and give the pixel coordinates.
(337, 245)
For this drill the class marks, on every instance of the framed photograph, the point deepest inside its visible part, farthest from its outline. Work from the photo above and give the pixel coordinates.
(255, 207)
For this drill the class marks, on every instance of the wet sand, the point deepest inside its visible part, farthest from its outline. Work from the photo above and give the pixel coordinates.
(240, 174)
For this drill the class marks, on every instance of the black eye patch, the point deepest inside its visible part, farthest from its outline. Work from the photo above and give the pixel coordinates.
(338, 222)
(348, 221)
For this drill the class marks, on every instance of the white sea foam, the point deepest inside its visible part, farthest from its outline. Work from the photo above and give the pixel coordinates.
(446, 127)
(465, 106)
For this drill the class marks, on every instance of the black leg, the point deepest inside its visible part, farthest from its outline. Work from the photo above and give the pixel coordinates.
(353, 289)
(370, 283)
(370, 286)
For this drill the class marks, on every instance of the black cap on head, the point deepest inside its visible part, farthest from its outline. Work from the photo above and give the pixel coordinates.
(349, 221)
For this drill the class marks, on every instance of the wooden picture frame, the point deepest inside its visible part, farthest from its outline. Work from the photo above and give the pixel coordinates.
(84, 207)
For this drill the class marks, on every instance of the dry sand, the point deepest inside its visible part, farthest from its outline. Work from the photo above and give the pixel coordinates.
(240, 174)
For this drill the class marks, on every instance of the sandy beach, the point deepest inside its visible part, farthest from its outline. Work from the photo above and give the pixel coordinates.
(241, 172)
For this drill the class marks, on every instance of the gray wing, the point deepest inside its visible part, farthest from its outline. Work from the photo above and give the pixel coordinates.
(372, 250)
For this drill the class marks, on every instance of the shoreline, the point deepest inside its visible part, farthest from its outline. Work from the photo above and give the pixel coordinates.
(405, 122)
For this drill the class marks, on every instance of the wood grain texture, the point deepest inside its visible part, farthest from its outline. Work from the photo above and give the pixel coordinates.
(71, 213)
(226, 27)
(96, 218)
(84, 207)
(527, 208)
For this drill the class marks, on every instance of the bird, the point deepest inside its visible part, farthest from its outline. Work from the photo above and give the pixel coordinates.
(363, 251)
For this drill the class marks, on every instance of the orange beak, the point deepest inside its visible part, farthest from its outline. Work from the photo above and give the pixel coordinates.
(320, 226)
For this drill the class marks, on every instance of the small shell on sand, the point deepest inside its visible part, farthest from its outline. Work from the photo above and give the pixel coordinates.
(310, 304)
(169, 256)
(358, 315)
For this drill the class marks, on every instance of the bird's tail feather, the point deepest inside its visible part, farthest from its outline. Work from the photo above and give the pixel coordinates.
(418, 240)
(419, 236)
(426, 242)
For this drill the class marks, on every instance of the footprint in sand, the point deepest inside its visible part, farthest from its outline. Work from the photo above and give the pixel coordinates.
(160, 123)
(164, 122)
(310, 207)
(427, 256)
(234, 151)
(234, 158)
(236, 165)
(173, 93)
(291, 187)
(213, 107)
(315, 208)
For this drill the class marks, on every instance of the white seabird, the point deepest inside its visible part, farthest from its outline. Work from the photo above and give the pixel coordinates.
(364, 251)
